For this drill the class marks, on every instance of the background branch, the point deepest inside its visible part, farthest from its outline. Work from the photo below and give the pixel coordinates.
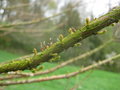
(55, 77)
(37, 20)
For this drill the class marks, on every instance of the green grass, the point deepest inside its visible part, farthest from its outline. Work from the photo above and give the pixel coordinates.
(97, 80)
(5, 56)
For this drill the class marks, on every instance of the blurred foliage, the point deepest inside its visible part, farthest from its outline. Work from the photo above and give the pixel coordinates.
(70, 18)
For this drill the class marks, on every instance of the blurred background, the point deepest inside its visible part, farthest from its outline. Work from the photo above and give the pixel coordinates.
(28, 24)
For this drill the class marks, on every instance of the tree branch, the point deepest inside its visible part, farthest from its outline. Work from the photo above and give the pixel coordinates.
(55, 77)
(37, 20)
(89, 29)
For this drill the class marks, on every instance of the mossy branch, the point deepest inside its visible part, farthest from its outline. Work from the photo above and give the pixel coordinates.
(89, 29)
(13, 75)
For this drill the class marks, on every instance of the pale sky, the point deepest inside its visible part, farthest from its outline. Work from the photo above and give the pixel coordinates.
(97, 7)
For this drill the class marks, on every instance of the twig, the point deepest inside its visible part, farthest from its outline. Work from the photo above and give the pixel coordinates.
(55, 77)
(38, 19)
(11, 30)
